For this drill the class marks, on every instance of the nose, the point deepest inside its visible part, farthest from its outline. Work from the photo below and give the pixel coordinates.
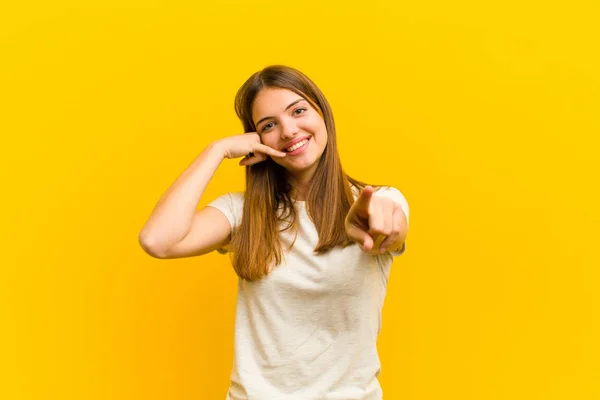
(289, 129)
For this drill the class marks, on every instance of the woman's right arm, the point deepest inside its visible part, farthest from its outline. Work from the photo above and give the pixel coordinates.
(175, 229)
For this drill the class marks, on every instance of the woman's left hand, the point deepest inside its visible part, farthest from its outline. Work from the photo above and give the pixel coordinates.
(375, 223)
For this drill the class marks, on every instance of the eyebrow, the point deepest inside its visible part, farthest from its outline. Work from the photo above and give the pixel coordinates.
(290, 105)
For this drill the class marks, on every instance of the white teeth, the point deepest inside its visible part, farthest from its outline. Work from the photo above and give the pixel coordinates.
(296, 146)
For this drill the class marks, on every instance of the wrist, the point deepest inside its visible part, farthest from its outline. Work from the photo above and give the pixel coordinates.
(216, 148)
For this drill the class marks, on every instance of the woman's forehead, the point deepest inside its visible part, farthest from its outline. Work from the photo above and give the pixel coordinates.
(272, 101)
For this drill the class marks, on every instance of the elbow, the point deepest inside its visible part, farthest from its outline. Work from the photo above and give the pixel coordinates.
(151, 248)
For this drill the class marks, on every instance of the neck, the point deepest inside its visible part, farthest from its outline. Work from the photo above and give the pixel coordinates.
(300, 183)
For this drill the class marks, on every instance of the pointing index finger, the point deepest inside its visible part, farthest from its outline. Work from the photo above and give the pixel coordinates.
(269, 150)
(363, 200)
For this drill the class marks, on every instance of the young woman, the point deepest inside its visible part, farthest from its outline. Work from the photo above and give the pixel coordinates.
(312, 247)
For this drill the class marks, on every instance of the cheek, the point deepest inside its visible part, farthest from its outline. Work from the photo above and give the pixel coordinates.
(268, 140)
(317, 126)
(322, 133)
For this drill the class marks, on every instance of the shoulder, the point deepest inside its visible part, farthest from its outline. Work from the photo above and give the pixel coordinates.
(229, 198)
(231, 204)
(390, 192)
(395, 195)
(237, 197)
(383, 191)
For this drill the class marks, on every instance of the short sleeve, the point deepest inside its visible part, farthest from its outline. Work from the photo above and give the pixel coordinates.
(232, 206)
(397, 196)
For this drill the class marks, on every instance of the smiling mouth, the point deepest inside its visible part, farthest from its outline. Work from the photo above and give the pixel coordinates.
(297, 146)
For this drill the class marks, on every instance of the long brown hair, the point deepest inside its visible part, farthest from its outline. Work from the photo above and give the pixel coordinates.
(256, 244)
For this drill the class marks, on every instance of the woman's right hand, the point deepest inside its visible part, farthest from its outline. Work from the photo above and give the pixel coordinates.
(241, 145)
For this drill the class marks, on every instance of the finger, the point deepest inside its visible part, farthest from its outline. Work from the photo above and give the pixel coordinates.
(368, 243)
(255, 159)
(388, 217)
(244, 161)
(258, 157)
(387, 242)
(268, 150)
(359, 236)
(376, 220)
(398, 219)
(377, 244)
(361, 205)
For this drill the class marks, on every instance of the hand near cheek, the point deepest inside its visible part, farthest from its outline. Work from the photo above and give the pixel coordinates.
(374, 223)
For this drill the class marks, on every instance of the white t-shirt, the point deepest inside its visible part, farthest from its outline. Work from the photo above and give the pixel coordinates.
(308, 330)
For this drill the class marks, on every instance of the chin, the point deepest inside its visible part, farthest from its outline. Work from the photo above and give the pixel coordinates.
(301, 168)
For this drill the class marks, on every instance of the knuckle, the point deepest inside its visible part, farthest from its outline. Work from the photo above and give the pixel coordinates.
(378, 230)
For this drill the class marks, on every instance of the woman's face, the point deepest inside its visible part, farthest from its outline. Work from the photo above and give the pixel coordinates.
(287, 122)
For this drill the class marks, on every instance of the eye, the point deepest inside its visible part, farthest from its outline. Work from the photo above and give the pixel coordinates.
(267, 126)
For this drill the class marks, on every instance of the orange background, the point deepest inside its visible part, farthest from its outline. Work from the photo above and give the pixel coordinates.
(484, 114)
